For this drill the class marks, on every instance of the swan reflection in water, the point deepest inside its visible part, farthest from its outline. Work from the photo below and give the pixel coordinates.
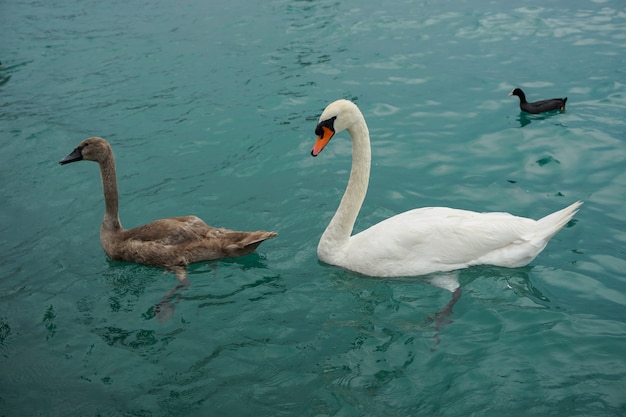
(164, 309)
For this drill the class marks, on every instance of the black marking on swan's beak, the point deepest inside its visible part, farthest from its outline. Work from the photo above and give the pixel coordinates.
(325, 131)
(76, 155)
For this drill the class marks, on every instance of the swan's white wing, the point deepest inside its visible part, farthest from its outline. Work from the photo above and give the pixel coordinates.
(433, 239)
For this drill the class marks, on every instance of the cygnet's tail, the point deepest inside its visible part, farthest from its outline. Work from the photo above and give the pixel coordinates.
(247, 242)
(552, 223)
(256, 238)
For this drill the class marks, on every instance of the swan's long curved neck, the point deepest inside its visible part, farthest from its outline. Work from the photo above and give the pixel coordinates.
(111, 220)
(339, 230)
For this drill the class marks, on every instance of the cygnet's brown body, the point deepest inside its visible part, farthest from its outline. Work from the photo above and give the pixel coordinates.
(170, 243)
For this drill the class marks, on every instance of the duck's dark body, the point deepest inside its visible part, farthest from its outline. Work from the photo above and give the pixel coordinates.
(540, 106)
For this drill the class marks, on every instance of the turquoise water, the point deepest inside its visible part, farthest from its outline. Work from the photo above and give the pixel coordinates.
(210, 109)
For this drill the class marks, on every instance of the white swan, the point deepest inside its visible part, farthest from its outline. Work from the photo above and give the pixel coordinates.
(423, 240)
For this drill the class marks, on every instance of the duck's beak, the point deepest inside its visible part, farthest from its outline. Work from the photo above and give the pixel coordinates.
(510, 94)
(322, 140)
(76, 155)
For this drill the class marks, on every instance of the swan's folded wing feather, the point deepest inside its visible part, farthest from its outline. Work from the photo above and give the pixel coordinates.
(441, 236)
(498, 239)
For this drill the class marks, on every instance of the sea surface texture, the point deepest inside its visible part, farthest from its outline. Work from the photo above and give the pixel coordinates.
(211, 108)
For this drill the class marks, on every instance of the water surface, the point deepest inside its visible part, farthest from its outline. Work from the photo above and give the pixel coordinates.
(211, 108)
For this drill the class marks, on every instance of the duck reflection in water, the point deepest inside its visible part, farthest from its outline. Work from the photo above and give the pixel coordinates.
(525, 119)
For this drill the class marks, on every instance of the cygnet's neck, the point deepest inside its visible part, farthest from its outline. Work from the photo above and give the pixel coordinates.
(111, 220)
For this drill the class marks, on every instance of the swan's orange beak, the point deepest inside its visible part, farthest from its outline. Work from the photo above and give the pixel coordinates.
(322, 140)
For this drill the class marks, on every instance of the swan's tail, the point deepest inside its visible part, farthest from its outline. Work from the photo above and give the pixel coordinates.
(554, 222)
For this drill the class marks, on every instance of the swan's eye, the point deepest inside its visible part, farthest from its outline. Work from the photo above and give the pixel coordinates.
(328, 123)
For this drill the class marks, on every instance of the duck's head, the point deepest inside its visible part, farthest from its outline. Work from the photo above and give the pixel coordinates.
(517, 92)
(91, 149)
(337, 116)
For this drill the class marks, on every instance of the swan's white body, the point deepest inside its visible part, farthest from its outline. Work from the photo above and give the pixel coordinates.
(423, 240)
